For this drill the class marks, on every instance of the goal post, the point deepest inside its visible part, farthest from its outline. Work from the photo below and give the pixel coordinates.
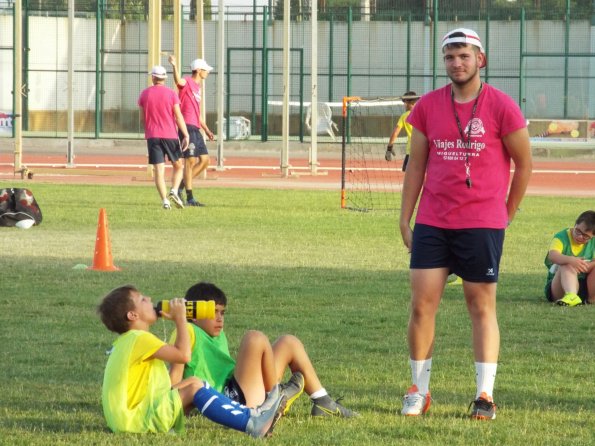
(368, 181)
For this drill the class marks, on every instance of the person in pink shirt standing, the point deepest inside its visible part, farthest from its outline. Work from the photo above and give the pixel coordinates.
(464, 137)
(161, 112)
(197, 156)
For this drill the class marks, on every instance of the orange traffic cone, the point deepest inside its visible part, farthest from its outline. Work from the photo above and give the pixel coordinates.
(102, 261)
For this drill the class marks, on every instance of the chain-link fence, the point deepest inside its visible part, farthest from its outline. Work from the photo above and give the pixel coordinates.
(543, 56)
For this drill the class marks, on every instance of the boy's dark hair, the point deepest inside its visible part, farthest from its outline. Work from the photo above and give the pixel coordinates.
(114, 308)
(588, 218)
(206, 291)
(410, 97)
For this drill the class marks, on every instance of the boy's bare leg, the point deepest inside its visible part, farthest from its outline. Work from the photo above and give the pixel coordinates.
(188, 388)
(188, 172)
(220, 409)
(591, 286)
(203, 163)
(290, 352)
(177, 174)
(159, 172)
(255, 367)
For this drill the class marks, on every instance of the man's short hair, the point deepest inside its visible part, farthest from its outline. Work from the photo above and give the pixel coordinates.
(114, 308)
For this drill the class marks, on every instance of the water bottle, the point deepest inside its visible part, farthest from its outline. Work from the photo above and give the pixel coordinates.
(195, 309)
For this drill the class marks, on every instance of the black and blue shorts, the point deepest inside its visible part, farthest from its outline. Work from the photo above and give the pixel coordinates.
(158, 148)
(233, 391)
(197, 146)
(472, 254)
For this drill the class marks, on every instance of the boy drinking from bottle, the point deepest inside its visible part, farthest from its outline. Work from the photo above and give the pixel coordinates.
(137, 394)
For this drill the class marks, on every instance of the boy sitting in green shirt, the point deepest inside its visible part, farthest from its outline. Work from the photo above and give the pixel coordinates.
(137, 393)
(571, 269)
(259, 366)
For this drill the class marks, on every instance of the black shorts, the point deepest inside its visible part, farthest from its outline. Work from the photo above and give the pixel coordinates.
(158, 148)
(196, 139)
(233, 391)
(583, 290)
(472, 254)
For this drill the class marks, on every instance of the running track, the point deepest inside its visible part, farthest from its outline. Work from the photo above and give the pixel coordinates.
(550, 176)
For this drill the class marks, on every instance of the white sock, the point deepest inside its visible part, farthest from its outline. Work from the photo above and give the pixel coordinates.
(166, 201)
(318, 394)
(420, 374)
(485, 376)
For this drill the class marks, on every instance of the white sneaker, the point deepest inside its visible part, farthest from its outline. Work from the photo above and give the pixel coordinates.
(414, 403)
(172, 196)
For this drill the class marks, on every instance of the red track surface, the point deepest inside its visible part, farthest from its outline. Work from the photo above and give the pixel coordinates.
(550, 176)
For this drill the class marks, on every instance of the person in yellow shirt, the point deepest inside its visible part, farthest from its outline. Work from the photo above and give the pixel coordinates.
(571, 268)
(137, 393)
(409, 99)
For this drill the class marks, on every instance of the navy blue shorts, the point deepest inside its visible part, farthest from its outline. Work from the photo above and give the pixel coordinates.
(160, 147)
(200, 148)
(472, 254)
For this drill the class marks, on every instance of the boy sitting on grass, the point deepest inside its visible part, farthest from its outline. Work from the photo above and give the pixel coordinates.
(137, 393)
(571, 269)
(259, 365)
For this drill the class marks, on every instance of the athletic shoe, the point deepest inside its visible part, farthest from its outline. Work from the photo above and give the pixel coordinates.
(194, 202)
(166, 206)
(174, 197)
(292, 389)
(264, 418)
(414, 403)
(453, 279)
(325, 406)
(570, 300)
(483, 408)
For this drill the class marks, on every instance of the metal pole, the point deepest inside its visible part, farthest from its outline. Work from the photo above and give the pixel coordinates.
(98, 46)
(220, 83)
(286, 87)
(566, 59)
(264, 131)
(314, 79)
(70, 88)
(18, 88)
(178, 33)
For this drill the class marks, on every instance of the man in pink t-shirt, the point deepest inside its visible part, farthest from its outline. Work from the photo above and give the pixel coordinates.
(161, 112)
(197, 156)
(464, 137)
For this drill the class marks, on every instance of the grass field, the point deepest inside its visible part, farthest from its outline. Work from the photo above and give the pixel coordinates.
(290, 262)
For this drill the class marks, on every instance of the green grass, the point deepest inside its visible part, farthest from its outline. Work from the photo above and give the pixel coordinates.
(290, 262)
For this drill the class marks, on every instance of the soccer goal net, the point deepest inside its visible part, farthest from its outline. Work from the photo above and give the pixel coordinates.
(368, 181)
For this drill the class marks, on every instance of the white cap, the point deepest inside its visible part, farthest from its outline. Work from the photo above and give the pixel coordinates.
(159, 72)
(200, 64)
(466, 36)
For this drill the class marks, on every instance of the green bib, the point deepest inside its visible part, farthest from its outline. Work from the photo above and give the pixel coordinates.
(210, 359)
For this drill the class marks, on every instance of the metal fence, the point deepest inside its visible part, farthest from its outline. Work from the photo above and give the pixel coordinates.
(543, 57)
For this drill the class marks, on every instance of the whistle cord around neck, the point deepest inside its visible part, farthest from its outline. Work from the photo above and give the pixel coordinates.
(467, 139)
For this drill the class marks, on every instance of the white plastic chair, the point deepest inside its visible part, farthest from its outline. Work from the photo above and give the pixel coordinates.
(325, 124)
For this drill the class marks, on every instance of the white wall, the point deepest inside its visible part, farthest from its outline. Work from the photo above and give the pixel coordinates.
(378, 49)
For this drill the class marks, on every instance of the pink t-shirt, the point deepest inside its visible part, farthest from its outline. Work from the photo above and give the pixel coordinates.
(446, 201)
(158, 103)
(190, 101)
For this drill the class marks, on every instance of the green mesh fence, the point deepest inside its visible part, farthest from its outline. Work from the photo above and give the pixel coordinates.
(538, 52)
